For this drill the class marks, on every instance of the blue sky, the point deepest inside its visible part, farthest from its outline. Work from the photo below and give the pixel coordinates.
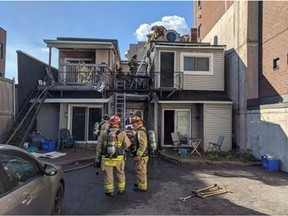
(29, 23)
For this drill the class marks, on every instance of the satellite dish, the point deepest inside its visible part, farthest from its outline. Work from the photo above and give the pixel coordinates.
(99, 86)
(172, 36)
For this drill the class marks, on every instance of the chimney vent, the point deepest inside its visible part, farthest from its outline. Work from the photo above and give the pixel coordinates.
(193, 35)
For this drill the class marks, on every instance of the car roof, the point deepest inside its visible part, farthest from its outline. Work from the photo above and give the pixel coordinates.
(11, 147)
(16, 148)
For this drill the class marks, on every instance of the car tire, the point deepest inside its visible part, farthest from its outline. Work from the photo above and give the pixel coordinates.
(58, 201)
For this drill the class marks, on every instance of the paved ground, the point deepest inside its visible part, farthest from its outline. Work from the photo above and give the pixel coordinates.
(253, 190)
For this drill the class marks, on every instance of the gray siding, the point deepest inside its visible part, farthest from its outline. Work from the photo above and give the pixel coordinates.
(218, 121)
(48, 121)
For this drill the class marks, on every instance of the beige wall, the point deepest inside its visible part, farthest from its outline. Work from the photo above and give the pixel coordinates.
(238, 30)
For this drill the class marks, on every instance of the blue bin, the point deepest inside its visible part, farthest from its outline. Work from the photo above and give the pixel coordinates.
(264, 160)
(273, 164)
(48, 145)
(270, 163)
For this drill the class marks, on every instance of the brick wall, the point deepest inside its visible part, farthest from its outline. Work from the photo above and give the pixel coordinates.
(208, 14)
(274, 45)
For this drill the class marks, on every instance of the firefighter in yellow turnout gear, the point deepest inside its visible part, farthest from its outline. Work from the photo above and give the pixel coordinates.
(140, 153)
(110, 150)
(102, 127)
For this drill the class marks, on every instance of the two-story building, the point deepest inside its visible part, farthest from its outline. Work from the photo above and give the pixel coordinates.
(179, 86)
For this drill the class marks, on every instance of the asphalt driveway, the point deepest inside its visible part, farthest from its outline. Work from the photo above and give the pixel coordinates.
(252, 191)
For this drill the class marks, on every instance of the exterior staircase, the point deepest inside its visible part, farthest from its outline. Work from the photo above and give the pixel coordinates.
(26, 118)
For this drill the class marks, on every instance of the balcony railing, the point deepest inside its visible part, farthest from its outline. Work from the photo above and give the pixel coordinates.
(168, 80)
(74, 74)
(85, 74)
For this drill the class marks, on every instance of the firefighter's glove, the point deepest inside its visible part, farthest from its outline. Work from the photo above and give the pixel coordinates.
(97, 163)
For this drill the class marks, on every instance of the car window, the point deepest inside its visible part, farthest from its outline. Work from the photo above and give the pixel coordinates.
(19, 167)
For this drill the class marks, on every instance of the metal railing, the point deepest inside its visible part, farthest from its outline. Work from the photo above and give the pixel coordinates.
(83, 74)
(74, 74)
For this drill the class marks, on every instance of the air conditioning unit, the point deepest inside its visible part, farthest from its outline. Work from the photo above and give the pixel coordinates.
(172, 35)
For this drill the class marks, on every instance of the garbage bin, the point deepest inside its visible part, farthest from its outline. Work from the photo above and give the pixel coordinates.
(35, 139)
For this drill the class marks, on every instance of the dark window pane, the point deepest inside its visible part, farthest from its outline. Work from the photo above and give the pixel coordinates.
(202, 64)
(189, 63)
(95, 115)
(78, 123)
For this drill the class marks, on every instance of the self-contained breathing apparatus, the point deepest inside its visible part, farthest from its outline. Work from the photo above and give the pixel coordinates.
(151, 147)
(112, 147)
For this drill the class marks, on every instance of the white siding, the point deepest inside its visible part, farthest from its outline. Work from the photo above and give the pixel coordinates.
(218, 121)
(215, 82)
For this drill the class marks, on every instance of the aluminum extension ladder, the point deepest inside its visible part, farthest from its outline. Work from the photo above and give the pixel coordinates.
(120, 100)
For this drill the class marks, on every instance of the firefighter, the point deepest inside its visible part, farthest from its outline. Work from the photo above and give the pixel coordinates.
(102, 127)
(110, 151)
(140, 153)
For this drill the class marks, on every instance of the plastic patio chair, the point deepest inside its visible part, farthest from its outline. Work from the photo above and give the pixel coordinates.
(216, 146)
(175, 139)
(66, 139)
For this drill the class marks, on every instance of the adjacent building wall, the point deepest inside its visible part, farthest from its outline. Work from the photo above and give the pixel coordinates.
(238, 30)
(256, 33)
(30, 70)
(267, 124)
(7, 106)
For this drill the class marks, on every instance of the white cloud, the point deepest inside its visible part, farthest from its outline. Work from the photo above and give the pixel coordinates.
(169, 22)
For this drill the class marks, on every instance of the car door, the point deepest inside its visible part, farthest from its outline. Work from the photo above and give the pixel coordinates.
(28, 185)
(9, 204)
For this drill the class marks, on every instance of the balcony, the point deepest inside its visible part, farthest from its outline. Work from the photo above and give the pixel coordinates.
(83, 77)
(82, 74)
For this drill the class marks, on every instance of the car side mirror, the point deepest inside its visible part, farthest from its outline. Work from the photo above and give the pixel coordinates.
(50, 170)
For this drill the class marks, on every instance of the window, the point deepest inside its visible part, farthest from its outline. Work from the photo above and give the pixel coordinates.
(197, 63)
(1, 50)
(215, 40)
(19, 168)
(276, 64)
(199, 31)
(199, 4)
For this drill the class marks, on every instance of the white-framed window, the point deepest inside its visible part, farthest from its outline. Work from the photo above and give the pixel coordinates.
(176, 121)
(197, 63)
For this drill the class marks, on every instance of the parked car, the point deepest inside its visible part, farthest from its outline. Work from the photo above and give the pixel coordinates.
(28, 185)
